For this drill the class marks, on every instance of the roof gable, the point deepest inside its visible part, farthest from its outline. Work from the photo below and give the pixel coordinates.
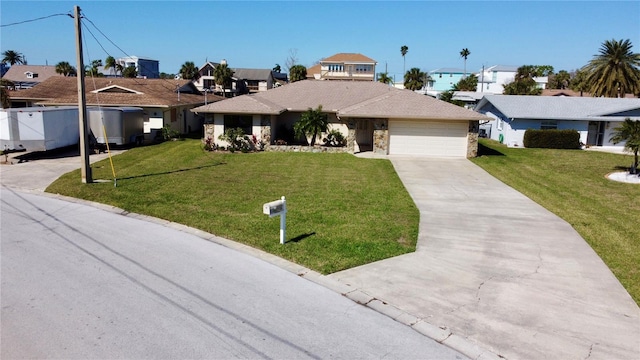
(115, 89)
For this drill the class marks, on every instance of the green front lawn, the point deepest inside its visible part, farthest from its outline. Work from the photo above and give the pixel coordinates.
(343, 211)
(572, 184)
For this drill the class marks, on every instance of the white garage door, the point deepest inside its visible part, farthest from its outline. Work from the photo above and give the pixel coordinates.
(408, 137)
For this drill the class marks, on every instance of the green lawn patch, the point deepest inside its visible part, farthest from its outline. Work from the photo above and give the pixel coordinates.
(572, 184)
(343, 211)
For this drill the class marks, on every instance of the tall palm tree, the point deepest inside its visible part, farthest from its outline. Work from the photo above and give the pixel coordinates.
(13, 57)
(628, 131)
(223, 76)
(404, 49)
(189, 71)
(65, 69)
(111, 63)
(385, 78)
(615, 71)
(464, 53)
(311, 123)
(414, 79)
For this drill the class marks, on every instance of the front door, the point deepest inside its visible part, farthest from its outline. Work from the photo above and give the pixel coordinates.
(595, 135)
(364, 135)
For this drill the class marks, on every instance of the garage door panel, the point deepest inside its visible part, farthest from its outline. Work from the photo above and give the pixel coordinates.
(428, 138)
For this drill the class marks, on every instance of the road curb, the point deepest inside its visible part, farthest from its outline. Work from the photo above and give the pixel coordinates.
(441, 335)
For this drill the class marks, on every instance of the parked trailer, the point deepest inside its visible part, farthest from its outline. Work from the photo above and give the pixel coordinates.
(123, 125)
(39, 128)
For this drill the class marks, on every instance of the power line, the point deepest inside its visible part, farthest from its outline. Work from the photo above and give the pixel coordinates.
(124, 52)
(37, 19)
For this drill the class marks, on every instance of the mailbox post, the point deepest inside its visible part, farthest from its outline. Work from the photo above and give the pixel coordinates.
(275, 208)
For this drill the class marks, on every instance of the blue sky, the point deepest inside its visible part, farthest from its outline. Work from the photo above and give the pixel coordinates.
(259, 34)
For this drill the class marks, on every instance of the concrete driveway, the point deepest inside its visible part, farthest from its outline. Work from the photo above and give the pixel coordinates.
(35, 172)
(496, 269)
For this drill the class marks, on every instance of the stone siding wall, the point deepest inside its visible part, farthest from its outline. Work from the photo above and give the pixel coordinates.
(208, 131)
(381, 136)
(472, 139)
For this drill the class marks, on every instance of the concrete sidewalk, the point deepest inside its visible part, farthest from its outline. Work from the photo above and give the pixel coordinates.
(500, 271)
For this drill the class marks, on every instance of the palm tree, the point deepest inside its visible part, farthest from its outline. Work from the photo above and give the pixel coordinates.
(92, 70)
(311, 123)
(414, 79)
(223, 76)
(628, 131)
(13, 57)
(464, 53)
(189, 71)
(615, 71)
(111, 63)
(297, 73)
(385, 78)
(130, 72)
(65, 69)
(404, 49)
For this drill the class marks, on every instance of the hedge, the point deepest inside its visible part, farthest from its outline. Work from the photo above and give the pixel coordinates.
(552, 139)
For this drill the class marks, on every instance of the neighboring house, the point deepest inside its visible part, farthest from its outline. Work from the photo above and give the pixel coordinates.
(28, 76)
(493, 79)
(165, 102)
(243, 80)
(146, 68)
(259, 80)
(344, 66)
(372, 117)
(443, 79)
(470, 98)
(593, 118)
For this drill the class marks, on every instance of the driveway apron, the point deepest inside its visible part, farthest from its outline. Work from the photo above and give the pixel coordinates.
(501, 271)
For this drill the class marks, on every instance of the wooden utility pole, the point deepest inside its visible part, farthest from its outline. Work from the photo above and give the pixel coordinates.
(85, 169)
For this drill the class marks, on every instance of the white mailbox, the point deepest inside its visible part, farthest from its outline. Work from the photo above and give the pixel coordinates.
(273, 208)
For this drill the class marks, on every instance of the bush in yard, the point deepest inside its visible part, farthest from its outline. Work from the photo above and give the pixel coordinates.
(168, 133)
(334, 138)
(552, 139)
(236, 139)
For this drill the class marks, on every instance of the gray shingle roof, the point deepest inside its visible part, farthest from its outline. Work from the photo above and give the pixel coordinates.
(346, 98)
(558, 108)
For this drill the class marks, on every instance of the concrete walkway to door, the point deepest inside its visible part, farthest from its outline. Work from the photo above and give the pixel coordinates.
(500, 271)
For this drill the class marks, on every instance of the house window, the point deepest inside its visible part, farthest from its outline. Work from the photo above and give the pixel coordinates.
(548, 125)
(236, 121)
(500, 124)
(363, 68)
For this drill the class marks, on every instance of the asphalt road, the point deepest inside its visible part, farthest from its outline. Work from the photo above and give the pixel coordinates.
(79, 282)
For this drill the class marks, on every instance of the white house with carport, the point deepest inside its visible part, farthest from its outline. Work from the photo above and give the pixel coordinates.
(594, 118)
(372, 117)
